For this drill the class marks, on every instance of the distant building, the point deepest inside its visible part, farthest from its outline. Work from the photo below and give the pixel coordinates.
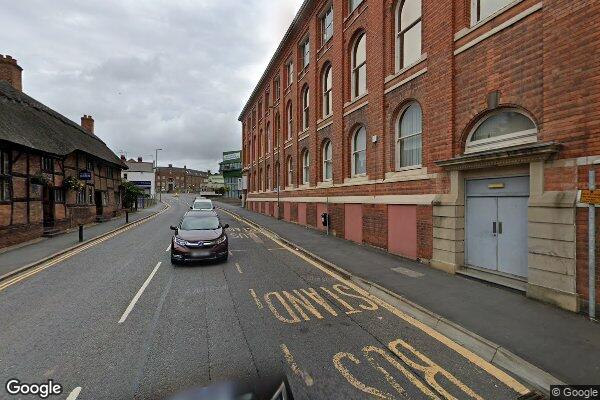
(141, 174)
(54, 173)
(176, 179)
(231, 168)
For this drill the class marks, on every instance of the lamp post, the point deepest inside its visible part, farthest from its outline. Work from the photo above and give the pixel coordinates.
(156, 172)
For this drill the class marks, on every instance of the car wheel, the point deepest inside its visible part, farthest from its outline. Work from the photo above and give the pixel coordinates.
(225, 257)
(174, 261)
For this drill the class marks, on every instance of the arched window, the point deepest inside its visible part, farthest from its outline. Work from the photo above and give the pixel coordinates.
(277, 176)
(305, 107)
(254, 148)
(269, 178)
(305, 167)
(269, 133)
(260, 144)
(327, 161)
(409, 137)
(359, 152)
(261, 177)
(359, 66)
(289, 166)
(408, 33)
(501, 128)
(290, 120)
(277, 129)
(327, 95)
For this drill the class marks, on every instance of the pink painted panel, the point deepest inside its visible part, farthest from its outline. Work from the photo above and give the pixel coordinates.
(287, 211)
(302, 213)
(402, 230)
(321, 208)
(353, 222)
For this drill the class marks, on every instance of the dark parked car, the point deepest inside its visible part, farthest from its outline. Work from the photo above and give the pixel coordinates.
(199, 236)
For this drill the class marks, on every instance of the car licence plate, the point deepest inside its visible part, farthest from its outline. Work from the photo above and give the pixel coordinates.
(200, 253)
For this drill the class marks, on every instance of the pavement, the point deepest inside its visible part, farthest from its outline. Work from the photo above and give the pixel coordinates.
(563, 344)
(22, 255)
(118, 321)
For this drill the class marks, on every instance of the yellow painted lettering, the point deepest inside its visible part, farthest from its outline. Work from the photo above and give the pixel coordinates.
(337, 362)
(293, 318)
(430, 369)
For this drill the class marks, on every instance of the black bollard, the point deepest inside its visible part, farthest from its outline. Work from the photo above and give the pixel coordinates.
(80, 233)
(126, 216)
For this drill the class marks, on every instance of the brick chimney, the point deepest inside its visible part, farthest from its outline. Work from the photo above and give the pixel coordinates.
(139, 159)
(11, 72)
(87, 123)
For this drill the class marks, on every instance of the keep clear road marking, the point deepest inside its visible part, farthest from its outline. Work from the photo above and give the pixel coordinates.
(168, 248)
(138, 294)
(308, 380)
(256, 299)
(466, 353)
(73, 395)
(238, 268)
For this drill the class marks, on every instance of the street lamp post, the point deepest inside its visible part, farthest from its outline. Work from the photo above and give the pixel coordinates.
(155, 172)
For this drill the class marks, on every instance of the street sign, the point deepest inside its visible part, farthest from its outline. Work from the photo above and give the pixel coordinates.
(142, 183)
(85, 175)
(589, 196)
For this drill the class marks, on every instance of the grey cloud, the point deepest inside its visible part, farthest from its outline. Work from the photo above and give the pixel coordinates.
(154, 74)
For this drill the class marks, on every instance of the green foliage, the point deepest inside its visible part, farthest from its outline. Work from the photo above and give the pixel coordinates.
(221, 190)
(39, 179)
(132, 193)
(74, 184)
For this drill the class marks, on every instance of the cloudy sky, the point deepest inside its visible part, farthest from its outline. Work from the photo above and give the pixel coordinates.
(170, 74)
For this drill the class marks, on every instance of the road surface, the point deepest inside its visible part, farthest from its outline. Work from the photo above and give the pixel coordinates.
(118, 321)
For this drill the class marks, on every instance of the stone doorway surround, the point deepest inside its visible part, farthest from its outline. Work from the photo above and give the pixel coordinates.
(551, 220)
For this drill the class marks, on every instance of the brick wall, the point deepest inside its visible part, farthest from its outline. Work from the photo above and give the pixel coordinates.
(375, 225)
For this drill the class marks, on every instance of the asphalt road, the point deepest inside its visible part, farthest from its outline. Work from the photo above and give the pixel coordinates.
(265, 312)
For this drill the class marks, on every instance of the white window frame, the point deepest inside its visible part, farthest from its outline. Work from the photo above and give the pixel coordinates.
(498, 142)
(327, 160)
(289, 66)
(353, 5)
(399, 166)
(327, 92)
(305, 50)
(305, 167)
(277, 122)
(305, 107)
(290, 119)
(475, 11)
(400, 64)
(290, 171)
(356, 68)
(327, 27)
(356, 151)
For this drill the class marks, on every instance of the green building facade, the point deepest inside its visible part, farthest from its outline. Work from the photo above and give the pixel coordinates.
(231, 169)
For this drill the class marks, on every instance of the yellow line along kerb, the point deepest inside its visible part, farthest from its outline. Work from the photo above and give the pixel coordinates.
(466, 353)
(26, 274)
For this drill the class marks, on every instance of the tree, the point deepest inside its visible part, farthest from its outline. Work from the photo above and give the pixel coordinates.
(132, 193)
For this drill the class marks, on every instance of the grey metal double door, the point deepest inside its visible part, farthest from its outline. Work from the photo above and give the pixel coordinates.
(496, 224)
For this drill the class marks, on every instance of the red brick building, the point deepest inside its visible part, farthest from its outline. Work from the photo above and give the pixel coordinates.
(176, 179)
(453, 132)
(54, 173)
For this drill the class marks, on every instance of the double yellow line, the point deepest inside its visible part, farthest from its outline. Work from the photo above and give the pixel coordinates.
(30, 272)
